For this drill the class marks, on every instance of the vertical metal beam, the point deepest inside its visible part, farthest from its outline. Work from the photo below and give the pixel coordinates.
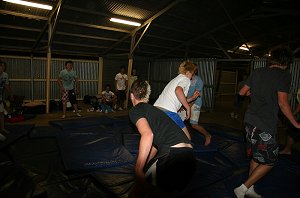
(48, 71)
(31, 77)
(100, 75)
(130, 61)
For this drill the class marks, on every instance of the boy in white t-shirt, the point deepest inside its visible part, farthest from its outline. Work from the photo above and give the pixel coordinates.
(121, 84)
(109, 99)
(174, 95)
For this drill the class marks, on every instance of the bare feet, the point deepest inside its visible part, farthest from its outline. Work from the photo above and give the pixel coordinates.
(207, 140)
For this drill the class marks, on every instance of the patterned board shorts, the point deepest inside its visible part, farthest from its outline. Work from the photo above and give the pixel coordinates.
(261, 145)
(69, 95)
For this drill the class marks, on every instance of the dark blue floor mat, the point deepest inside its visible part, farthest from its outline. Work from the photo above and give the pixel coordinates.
(280, 182)
(91, 149)
(236, 154)
(83, 122)
(224, 131)
(16, 132)
(44, 132)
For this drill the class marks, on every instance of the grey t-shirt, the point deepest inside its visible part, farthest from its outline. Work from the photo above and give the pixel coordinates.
(265, 83)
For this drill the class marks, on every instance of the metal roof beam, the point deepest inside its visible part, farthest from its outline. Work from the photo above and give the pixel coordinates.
(86, 36)
(220, 46)
(94, 26)
(30, 16)
(171, 5)
(204, 34)
(46, 25)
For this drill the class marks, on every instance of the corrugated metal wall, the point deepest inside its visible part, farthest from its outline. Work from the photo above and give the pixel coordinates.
(162, 71)
(295, 75)
(257, 63)
(28, 76)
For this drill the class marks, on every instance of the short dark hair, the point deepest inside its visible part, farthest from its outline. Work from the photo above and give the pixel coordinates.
(108, 85)
(280, 55)
(3, 64)
(141, 89)
(69, 61)
(122, 67)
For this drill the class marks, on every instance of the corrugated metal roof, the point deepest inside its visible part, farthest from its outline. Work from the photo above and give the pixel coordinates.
(178, 29)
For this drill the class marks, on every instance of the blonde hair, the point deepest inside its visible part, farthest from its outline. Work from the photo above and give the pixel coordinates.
(186, 66)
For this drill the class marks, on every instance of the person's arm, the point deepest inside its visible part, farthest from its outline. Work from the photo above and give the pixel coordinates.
(77, 85)
(145, 146)
(59, 82)
(286, 108)
(245, 91)
(182, 99)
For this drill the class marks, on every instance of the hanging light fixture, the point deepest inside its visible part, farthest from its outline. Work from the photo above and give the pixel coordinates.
(31, 4)
(125, 22)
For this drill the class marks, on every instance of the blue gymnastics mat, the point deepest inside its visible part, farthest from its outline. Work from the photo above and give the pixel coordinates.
(44, 132)
(224, 131)
(83, 122)
(236, 154)
(91, 149)
(17, 131)
(280, 182)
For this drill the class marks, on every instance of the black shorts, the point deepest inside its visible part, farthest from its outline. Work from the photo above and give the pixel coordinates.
(121, 95)
(173, 171)
(72, 96)
(261, 145)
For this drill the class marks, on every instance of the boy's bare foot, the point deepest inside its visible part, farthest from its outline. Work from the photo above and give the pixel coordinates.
(207, 140)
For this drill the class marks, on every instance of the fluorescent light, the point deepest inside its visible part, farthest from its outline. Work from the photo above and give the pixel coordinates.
(244, 48)
(31, 4)
(125, 22)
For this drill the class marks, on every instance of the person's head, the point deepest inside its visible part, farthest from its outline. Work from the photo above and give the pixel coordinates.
(280, 56)
(133, 71)
(107, 87)
(122, 70)
(2, 66)
(69, 65)
(140, 91)
(187, 68)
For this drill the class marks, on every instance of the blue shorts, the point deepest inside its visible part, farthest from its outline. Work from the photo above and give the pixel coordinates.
(175, 117)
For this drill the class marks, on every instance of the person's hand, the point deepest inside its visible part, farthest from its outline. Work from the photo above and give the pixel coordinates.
(196, 94)
(181, 109)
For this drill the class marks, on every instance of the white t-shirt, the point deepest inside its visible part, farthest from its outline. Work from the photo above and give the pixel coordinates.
(108, 95)
(121, 81)
(168, 99)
